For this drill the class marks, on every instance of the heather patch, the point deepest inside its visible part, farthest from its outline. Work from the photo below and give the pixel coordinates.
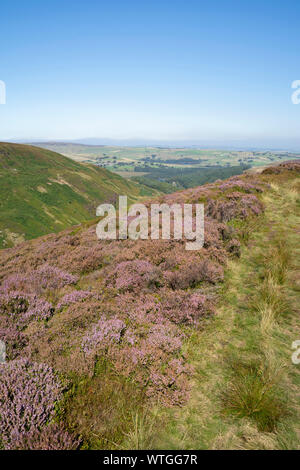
(137, 274)
(44, 277)
(28, 393)
(124, 333)
(52, 437)
(20, 308)
(74, 297)
(187, 308)
(193, 274)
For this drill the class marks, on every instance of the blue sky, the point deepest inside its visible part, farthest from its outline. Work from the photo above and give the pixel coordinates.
(218, 71)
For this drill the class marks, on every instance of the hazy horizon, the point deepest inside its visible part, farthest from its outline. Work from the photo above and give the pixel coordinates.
(131, 142)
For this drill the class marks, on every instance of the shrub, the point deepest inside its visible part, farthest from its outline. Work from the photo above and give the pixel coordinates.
(52, 437)
(193, 274)
(28, 392)
(21, 308)
(44, 277)
(14, 341)
(105, 333)
(184, 307)
(73, 297)
(131, 275)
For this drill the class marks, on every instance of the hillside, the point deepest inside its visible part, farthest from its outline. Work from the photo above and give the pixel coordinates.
(42, 192)
(144, 345)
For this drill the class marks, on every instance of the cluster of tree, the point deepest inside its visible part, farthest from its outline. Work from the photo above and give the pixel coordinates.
(169, 179)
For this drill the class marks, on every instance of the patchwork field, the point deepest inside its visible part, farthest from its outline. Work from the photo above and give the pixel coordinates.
(127, 158)
(170, 169)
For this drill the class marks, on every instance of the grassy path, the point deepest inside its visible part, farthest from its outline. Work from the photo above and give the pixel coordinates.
(245, 392)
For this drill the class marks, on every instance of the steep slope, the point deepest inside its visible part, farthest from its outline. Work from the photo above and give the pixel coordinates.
(133, 326)
(42, 192)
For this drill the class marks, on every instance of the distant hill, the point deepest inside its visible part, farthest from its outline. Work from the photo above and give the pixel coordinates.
(43, 192)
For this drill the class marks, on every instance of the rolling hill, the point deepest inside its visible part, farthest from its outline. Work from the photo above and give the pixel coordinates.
(144, 345)
(42, 191)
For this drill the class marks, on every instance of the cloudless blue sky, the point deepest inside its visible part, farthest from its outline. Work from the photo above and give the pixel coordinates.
(213, 71)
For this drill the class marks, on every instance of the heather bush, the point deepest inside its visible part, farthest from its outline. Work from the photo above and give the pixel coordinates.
(226, 210)
(131, 275)
(240, 185)
(21, 308)
(292, 165)
(52, 437)
(73, 297)
(234, 247)
(166, 338)
(152, 365)
(44, 277)
(14, 341)
(139, 310)
(193, 274)
(185, 308)
(28, 393)
(105, 333)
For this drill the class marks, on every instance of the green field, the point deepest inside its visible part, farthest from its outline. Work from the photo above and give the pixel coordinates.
(127, 159)
(170, 169)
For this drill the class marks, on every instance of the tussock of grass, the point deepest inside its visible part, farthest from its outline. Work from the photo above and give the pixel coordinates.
(253, 393)
(269, 295)
(277, 260)
(141, 432)
(101, 409)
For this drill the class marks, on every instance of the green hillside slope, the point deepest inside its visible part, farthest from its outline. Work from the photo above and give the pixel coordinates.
(42, 192)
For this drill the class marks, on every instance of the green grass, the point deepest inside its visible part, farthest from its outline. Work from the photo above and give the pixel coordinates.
(245, 391)
(43, 192)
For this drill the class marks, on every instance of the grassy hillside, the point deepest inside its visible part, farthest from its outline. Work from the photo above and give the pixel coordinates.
(142, 344)
(42, 192)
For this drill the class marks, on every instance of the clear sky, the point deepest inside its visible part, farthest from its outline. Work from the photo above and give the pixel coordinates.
(213, 71)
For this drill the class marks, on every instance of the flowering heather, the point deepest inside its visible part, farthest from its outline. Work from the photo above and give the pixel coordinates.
(73, 297)
(131, 275)
(105, 333)
(14, 341)
(45, 277)
(182, 307)
(21, 307)
(136, 303)
(28, 392)
(139, 310)
(292, 165)
(166, 338)
(193, 274)
(241, 185)
(226, 210)
(52, 437)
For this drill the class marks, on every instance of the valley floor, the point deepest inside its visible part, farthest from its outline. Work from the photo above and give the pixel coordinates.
(245, 392)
